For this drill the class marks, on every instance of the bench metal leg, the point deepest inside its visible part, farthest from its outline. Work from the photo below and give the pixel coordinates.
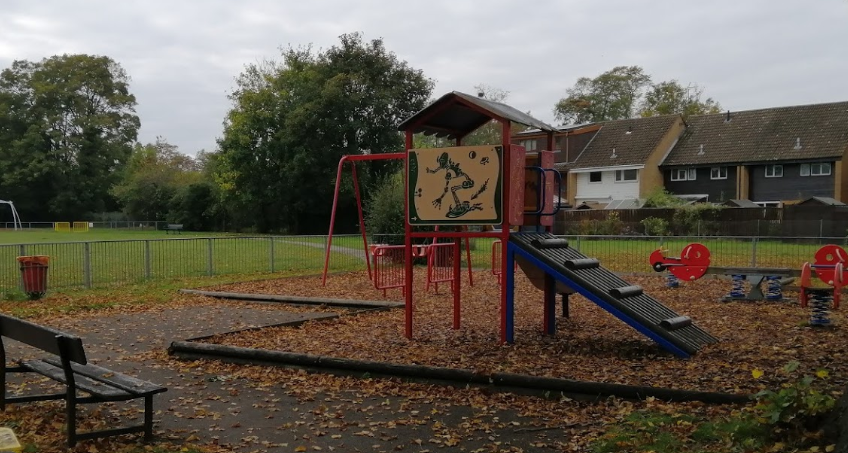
(71, 414)
(148, 417)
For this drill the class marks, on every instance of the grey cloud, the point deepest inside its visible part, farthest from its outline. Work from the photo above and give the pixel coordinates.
(183, 56)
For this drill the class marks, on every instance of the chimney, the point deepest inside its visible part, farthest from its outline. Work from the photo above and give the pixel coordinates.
(727, 119)
(481, 94)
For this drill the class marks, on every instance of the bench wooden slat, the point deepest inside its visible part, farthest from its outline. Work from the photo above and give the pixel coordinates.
(41, 337)
(85, 384)
(124, 382)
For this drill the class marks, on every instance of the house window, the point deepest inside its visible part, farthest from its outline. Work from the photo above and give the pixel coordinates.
(529, 145)
(774, 171)
(817, 169)
(683, 174)
(595, 176)
(718, 173)
(626, 175)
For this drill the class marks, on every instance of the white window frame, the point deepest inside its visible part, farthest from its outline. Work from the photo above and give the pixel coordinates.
(817, 169)
(684, 174)
(600, 173)
(718, 172)
(775, 169)
(677, 172)
(530, 144)
(619, 176)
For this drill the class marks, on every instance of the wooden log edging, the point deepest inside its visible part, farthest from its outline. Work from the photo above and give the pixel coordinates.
(350, 303)
(295, 323)
(458, 377)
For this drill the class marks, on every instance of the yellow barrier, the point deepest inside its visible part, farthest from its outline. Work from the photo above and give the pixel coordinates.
(80, 227)
(64, 227)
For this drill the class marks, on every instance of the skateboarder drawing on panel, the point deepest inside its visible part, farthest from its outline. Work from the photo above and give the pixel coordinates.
(455, 180)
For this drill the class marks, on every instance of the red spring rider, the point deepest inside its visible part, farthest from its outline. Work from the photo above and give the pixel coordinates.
(692, 264)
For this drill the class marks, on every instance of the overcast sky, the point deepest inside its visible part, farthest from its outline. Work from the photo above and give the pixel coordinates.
(183, 56)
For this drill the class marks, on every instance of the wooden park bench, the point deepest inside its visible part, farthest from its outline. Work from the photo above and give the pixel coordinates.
(175, 227)
(67, 364)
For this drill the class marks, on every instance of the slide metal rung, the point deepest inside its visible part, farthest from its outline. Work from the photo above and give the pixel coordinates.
(675, 323)
(557, 243)
(626, 291)
(582, 263)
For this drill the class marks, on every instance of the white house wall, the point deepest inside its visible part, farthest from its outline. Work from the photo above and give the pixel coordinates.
(607, 189)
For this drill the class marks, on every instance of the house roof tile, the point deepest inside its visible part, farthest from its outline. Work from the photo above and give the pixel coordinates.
(803, 132)
(633, 140)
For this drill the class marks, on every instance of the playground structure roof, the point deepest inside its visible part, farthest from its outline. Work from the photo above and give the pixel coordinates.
(456, 115)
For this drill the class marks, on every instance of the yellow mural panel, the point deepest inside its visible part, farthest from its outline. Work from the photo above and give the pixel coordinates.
(458, 185)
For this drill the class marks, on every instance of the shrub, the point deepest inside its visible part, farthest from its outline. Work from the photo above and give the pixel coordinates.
(385, 211)
(797, 406)
(655, 226)
(696, 219)
(612, 225)
(661, 198)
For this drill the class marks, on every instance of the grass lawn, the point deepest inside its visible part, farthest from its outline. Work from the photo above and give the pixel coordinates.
(105, 256)
(101, 234)
(113, 256)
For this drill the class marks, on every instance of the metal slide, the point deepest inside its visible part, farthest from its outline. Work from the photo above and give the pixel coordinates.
(627, 302)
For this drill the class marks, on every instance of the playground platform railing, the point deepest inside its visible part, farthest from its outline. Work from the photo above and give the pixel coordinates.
(440, 268)
(87, 264)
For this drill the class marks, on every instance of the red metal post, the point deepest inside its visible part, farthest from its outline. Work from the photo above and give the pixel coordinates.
(407, 239)
(549, 317)
(457, 280)
(551, 146)
(505, 226)
(333, 222)
(468, 260)
(361, 219)
(457, 269)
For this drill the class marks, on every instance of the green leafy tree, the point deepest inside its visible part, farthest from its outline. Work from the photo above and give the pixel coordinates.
(626, 92)
(666, 98)
(155, 173)
(200, 206)
(612, 95)
(292, 121)
(67, 125)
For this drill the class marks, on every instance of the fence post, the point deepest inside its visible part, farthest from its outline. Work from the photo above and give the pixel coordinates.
(148, 273)
(754, 251)
(209, 268)
(271, 253)
(578, 243)
(86, 264)
(21, 252)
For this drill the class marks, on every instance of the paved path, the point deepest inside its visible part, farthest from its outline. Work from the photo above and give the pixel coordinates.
(244, 417)
(336, 248)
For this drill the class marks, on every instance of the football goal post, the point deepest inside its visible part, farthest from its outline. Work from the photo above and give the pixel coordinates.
(16, 220)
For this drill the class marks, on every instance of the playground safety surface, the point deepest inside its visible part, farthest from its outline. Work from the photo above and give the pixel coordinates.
(227, 407)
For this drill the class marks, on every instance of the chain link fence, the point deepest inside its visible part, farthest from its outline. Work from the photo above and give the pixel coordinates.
(100, 263)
